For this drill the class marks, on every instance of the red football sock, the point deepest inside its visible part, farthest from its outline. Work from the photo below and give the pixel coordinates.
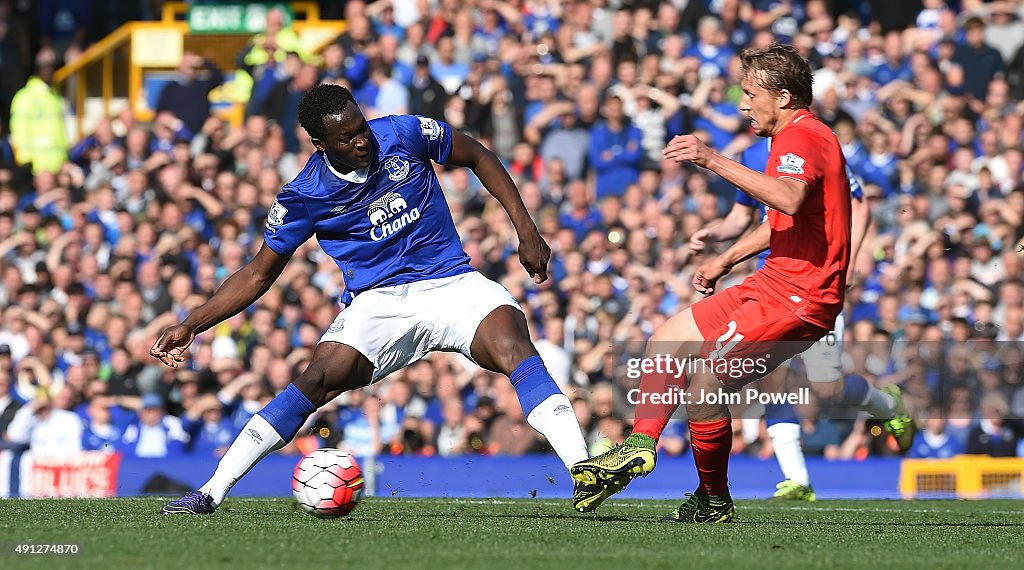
(665, 390)
(712, 442)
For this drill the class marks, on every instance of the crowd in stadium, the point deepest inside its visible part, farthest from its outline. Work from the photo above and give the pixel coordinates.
(106, 240)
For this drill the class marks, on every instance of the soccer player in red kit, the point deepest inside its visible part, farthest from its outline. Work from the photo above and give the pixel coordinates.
(745, 331)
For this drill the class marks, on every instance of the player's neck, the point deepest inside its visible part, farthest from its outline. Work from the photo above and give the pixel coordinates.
(338, 167)
(786, 117)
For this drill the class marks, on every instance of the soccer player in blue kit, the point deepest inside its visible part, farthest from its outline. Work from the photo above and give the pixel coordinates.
(370, 196)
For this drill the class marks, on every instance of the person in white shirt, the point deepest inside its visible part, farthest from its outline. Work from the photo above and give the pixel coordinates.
(47, 426)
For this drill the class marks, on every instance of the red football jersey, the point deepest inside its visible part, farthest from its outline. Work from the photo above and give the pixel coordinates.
(810, 250)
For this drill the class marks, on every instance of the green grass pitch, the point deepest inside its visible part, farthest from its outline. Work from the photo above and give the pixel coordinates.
(444, 534)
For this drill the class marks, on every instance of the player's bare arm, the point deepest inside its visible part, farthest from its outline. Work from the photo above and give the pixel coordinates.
(860, 221)
(708, 274)
(534, 253)
(783, 194)
(732, 226)
(237, 292)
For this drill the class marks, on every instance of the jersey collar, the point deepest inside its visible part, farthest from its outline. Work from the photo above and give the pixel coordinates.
(355, 177)
(799, 116)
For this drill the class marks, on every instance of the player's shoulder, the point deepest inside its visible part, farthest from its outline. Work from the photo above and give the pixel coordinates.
(806, 130)
(402, 123)
(809, 123)
(404, 134)
(308, 181)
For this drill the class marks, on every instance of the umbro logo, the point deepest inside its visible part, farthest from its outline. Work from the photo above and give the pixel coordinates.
(255, 435)
(338, 209)
(562, 408)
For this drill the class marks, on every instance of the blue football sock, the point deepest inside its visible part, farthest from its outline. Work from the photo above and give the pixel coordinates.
(855, 391)
(780, 414)
(287, 412)
(533, 383)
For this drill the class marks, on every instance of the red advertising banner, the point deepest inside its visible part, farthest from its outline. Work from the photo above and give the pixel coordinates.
(87, 474)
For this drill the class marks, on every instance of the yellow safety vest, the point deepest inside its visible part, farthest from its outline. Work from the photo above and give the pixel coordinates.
(38, 130)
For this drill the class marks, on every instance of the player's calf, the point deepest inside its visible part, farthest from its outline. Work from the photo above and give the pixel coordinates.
(502, 343)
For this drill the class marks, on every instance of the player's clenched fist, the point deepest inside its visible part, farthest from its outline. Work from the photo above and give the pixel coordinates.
(171, 345)
(707, 276)
(688, 148)
(534, 254)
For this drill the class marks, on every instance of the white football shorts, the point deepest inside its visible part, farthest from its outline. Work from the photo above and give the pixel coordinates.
(398, 325)
(823, 359)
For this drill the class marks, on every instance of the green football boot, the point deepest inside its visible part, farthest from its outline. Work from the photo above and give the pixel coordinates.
(635, 456)
(586, 498)
(702, 508)
(901, 426)
(790, 490)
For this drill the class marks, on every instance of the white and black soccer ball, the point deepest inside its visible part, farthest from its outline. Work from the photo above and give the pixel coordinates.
(327, 483)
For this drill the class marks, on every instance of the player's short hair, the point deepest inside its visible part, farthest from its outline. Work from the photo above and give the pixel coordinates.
(780, 67)
(320, 101)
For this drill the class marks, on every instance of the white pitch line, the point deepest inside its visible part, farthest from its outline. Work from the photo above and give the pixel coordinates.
(749, 507)
(874, 510)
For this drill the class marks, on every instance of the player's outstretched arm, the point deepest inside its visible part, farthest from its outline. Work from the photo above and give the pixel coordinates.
(708, 274)
(534, 253)
(236, 293)
(731, 227)
(783, 194)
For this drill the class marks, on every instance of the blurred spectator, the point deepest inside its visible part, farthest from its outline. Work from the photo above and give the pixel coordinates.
(615, 150)
(448, 72)
(276, 41)
(980, 62)
(384, 94)
(994, 435)
(101, 433)
(362, 433)
(63, 27)
(427, 96)
(1005, 31)
(283, 100)
(933, 441)
(46, 424)
(261, 63)
(154, 433)
(188, 96)
(561, 137)
(38, 133)
(451, 438)
(210, 433)
(8, 405)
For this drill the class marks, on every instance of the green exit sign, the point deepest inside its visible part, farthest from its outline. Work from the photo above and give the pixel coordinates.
(233, 18)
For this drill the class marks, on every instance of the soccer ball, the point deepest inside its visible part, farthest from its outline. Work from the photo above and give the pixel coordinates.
(327, 483)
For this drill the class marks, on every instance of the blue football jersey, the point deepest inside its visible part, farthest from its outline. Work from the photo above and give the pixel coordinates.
(386, 225)
(755, 157)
